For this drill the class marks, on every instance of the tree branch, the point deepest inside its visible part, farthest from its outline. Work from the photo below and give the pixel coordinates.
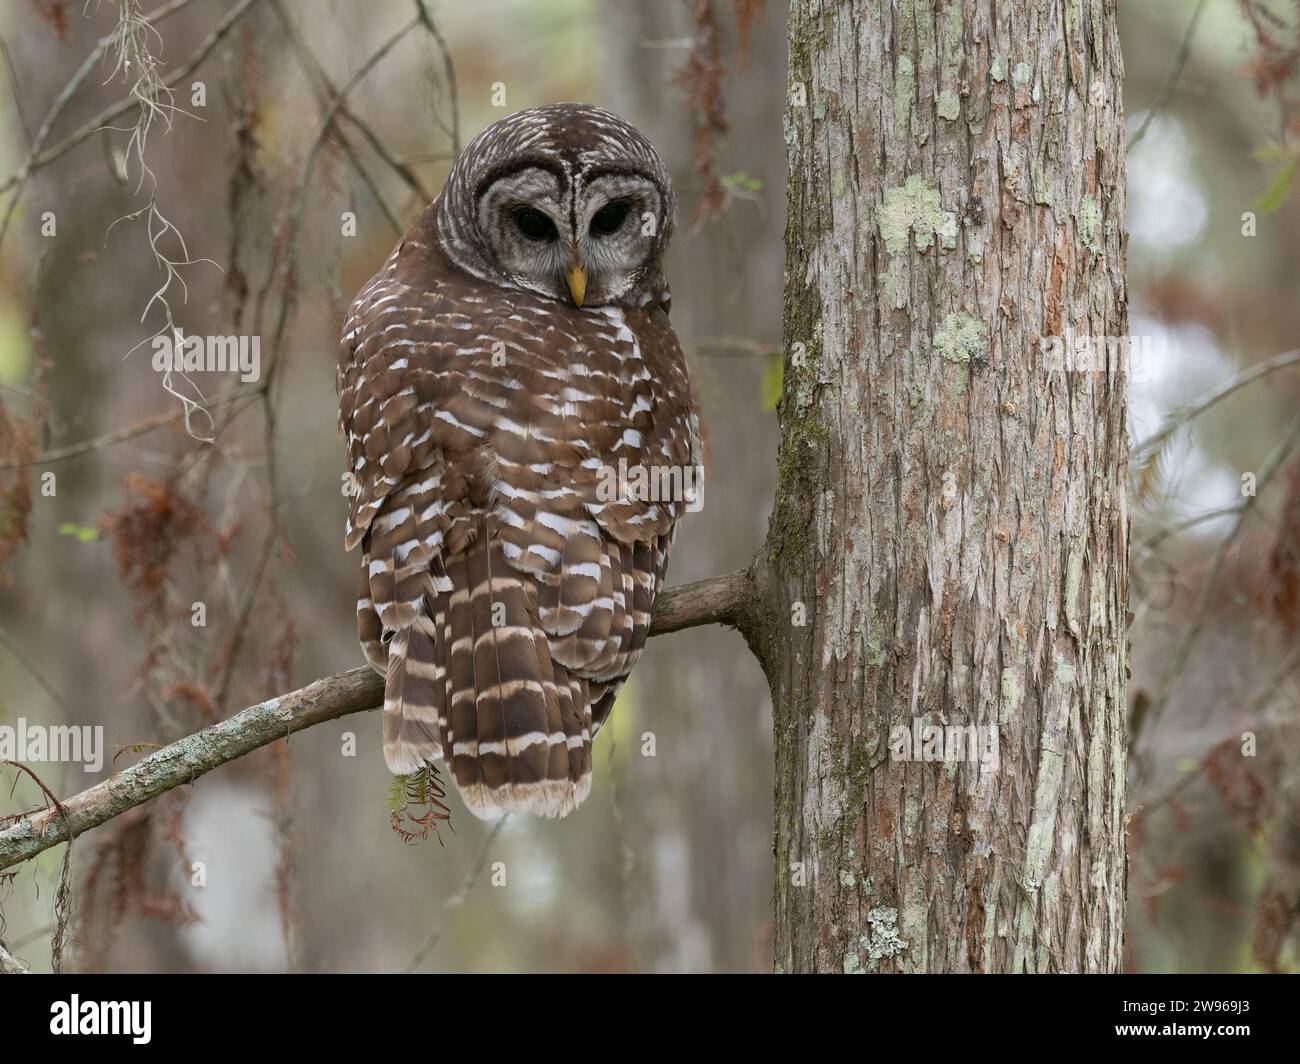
(10, 966)
(38, 158)
(719, 600)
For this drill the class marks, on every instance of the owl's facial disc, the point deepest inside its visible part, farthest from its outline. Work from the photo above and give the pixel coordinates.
(522, 218)
(590, 243)
(618, 220)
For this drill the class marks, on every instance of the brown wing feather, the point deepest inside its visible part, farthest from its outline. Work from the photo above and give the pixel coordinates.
(505, 593)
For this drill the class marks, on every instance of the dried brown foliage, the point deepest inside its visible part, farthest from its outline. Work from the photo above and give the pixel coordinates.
(701, 79)
(416, 805)
(1277, 58)
(746, 11)
(19, 441)
(54, 13)
(1275, 921)
(1277, 909)
(191, 693)
(18, 446)
(279, 665)
(1263, 794)
(1284, 559)
(1239, 783)
(155, 520)
(1275, 62)
(63, 892)
(117, 885)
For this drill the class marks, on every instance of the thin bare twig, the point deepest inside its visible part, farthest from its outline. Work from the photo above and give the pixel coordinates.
(245, 613)
(456, 900)
(1161, 534)
(31, 936)
(1183, 653)
(56, 811)
(15, 89)
(449, 68)
(9, 965)
(1257, 705)
(308, 166)
(326, 89)
(1171, 79)
(334, 103)
(35, 158)
(74, 450)
(35, 674)
(1179, 418)
(39, 159)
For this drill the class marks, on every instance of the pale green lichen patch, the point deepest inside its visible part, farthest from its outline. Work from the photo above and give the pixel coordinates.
(1012, 695)
(1022, 73)
(948, 231)
(883, 939)
(949, 106)
(847, 879)
(953, 40)
(904, 91)
(960, 379)
(875, 652)
(1096, 598)
(1014, 172)
(1073, 577)
(1039, 180)
(852, 965)
(1090, 224)
(962, 338)
(913, 207)
(998, 68)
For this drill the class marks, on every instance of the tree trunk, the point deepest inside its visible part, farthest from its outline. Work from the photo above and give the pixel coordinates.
(949, 539)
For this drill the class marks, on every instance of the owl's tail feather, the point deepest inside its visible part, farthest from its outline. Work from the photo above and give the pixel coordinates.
(519, 734)
(411, 696)
(407, 659)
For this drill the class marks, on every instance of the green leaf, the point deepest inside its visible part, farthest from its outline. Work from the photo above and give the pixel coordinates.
(742, 181)
(396, 799)
(84, 533)
(1276, 194)
(1271, 153)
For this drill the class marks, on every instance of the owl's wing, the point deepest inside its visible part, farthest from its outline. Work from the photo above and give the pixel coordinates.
(486, 431)
(598, 546)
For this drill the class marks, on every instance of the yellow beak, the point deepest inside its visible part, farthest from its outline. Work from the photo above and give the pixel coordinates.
(577, 278)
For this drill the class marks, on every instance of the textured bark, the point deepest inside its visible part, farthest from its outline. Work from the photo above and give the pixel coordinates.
(950, 512)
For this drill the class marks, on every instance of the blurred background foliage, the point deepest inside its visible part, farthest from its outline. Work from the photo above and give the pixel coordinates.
(667, 867)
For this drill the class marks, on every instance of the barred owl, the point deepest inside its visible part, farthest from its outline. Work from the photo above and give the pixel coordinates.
(502, 379)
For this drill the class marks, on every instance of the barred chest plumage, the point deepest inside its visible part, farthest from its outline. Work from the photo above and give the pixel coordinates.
(508, 574)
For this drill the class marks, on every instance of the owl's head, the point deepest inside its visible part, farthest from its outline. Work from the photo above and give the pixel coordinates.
(568, 201)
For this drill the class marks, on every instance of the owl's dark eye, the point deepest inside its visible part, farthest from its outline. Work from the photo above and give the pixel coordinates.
(534, 224)
(608, 219)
